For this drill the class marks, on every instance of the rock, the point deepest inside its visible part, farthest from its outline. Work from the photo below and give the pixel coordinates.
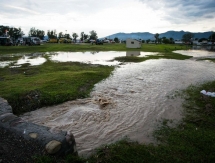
(4, 106)
(53, 147)
(33, 135)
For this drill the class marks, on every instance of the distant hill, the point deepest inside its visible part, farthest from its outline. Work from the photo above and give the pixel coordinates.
(176, 35)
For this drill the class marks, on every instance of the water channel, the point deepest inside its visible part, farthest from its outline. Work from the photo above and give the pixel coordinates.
(130, 103)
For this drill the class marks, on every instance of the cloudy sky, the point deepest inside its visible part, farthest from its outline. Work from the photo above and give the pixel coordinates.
(107, 17)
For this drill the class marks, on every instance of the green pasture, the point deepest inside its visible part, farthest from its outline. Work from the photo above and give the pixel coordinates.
(55, 47)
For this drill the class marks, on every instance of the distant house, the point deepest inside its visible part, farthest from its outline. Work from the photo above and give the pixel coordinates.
(178, 42)
(133, 43)
(195, 42)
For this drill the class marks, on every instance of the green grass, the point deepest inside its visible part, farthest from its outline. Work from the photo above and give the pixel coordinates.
(52, 47)
(209, 59)
(29, 87)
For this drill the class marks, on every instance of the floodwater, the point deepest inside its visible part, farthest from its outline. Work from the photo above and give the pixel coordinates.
(197, 53)
(102, 58)
(130, 103)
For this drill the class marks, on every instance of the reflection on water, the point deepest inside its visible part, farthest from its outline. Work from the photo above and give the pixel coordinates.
(102, 58)
(132, 53)
(36, 60)
(135, 98)
(197, 53)
(204, 47)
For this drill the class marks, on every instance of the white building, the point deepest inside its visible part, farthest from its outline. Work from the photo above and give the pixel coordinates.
(178, 42)
(133, 43)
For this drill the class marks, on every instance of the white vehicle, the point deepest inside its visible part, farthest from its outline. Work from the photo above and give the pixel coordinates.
(35, 40)
(28, 41)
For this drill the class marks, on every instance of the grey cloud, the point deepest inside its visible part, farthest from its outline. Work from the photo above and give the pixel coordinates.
(183, 10)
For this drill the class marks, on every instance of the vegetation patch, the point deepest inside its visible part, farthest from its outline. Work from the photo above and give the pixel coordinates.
(208, 59)
(55, 47)
(30, 87)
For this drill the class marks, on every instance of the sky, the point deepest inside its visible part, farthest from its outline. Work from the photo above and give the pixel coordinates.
(108, 17)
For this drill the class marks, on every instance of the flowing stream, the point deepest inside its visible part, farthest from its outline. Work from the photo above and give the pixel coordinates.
(130, 103)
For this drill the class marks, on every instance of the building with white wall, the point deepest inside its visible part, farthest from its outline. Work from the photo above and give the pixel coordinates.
(133, 43)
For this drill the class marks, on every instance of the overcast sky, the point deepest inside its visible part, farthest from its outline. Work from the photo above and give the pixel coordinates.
(107, 17)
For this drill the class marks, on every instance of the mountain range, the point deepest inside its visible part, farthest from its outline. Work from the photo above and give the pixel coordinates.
(176, 35)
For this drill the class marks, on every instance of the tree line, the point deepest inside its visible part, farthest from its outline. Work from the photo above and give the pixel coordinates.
(33, 32)
(187, 37)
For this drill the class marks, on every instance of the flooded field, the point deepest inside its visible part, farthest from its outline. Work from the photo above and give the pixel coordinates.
(130, 103)
(102, 58)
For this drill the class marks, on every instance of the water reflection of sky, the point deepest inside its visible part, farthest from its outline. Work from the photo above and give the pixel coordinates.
(196, 53)
(32, 61)
(102, 58)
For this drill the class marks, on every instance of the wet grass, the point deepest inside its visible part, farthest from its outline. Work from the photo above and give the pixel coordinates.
(208, 59)
(30, 87)
(49, 47)
(164, 55)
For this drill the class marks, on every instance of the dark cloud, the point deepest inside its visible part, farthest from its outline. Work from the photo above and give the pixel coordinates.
(183, 10)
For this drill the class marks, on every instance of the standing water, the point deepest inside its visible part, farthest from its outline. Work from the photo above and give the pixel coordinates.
(128, 103)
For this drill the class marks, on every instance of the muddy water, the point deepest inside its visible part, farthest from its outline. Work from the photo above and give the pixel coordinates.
(128, 103)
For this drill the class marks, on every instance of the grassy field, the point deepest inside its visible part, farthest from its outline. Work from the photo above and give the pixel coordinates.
(53, 47)
(30, 87)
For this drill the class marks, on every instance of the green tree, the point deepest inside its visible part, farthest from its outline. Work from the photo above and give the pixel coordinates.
(202, 39)
(36, 33)
(93, 35)
(86, 36)
(52, 34)
(67, 36)
(187, 37)
(166, 41)
(82, 36)
(212, 36)
(116, 39)
(171, 40)
(147, 41)
(60, 35)
(14, 33)
(156, 37)
(75, 36)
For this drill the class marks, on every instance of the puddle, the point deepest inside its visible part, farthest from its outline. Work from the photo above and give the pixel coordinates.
(102, 58)
(38, 60)
(128, 103)
(197, 53)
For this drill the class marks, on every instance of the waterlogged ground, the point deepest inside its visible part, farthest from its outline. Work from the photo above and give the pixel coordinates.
(130, 103)
(102, 58)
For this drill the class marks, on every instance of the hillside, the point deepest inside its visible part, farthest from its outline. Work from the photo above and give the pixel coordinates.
(146, 35)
